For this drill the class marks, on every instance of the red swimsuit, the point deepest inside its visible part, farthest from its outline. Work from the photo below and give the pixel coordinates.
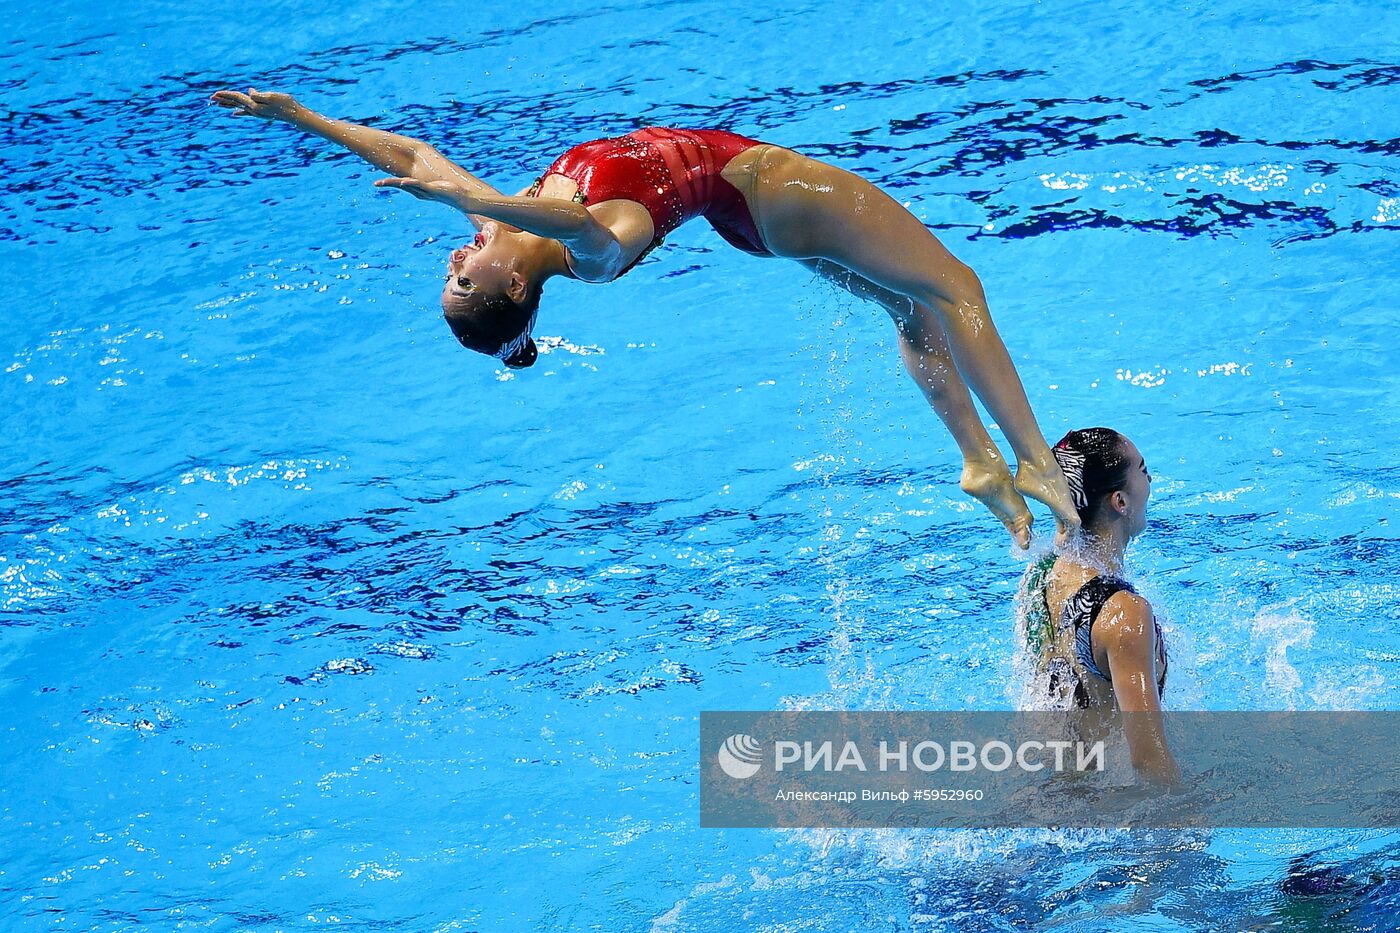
(674, 174)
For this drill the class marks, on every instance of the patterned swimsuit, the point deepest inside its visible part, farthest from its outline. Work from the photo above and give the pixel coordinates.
(1078, 615)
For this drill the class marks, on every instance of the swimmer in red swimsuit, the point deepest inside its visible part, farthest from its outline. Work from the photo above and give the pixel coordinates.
(604, 204)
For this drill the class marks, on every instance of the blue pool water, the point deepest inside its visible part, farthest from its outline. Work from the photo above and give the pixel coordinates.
(312, 618)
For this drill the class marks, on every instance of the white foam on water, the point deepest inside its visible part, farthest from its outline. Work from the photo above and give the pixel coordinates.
(1278, 632)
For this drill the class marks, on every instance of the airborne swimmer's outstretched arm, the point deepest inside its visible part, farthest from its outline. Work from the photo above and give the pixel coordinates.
(401, 156)
(597, 253)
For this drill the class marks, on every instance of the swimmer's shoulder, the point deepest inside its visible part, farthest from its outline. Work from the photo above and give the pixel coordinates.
(1065, 578)
(1124, 624)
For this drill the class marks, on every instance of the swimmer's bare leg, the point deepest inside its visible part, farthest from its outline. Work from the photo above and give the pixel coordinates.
(964, 312)
(808, 209)
(924, 350)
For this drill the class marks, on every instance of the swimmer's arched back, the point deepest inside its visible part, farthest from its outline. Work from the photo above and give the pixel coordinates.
(603, 204)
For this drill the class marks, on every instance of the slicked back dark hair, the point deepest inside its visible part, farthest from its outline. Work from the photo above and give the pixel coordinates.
(1095, 465)
(489, 323)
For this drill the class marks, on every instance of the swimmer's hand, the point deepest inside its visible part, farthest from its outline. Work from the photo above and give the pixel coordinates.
(270, 105)
(442, 190)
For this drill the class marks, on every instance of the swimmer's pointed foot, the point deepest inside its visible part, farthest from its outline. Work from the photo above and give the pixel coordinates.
(1043, 481)
(992, 486)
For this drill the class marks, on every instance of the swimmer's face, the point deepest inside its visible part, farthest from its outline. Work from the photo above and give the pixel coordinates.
(1137, 490)
(487, 264)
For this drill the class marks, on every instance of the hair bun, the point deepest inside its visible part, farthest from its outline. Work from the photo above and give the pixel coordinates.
(525, 356)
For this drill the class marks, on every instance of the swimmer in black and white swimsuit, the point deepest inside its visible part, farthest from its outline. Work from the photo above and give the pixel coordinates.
(1096, 641)
(1076, 621)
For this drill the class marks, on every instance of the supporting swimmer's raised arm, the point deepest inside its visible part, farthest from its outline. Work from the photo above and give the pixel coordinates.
(389, 152)
(1128, 636)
